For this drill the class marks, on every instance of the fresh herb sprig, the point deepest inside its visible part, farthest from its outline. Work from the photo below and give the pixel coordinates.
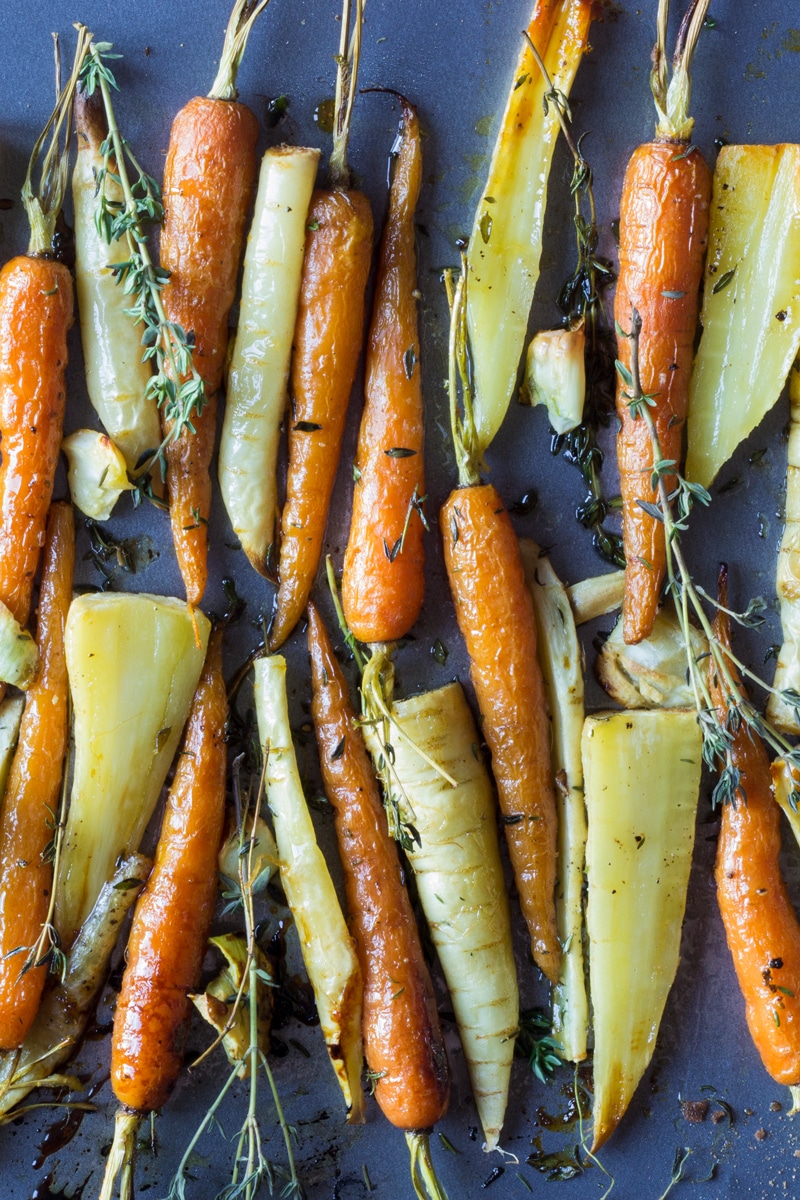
(580, 301)
(176, 386)
(536, 1043)
(672, 509)
(251, 1168)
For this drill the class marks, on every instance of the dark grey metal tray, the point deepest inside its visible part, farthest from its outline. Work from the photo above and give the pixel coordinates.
(455, 63)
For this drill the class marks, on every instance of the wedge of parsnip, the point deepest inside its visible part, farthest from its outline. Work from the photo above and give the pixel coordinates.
(460, 883)
(642, 777)
(562, 666)
(786, 784)
(506, 241)
(651, 674)
(10, 716)
(133, 663)
(751, 302)
(327, 948)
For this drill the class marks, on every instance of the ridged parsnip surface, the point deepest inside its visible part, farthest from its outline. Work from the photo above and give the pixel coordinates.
(256, 393)
(642, 776)
(652, 673)
(133, 665)
(10, 716)
(506, 241)
(325, 943)
(461, 884)
(560, 655)
(751, 302)
(116, 376)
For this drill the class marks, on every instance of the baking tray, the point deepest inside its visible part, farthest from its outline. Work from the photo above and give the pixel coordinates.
(455, 62)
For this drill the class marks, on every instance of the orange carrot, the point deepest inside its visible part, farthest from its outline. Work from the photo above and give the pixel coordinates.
(170, 925)
(327, 344)
(663, 228)
(208, 182)
(31, 797)
(402, 1039)
(403, 1042)
(383, 583)
(495, 615)
(761, 925)
(36, 312)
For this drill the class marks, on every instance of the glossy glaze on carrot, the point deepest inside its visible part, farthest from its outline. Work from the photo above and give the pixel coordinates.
(383, 582)
(208, 183)
(403, 1042)
(36, 313)
(495, 615)
(170, 926)
(663, 232)
(32, 792)
(761, 926)
(328, 336)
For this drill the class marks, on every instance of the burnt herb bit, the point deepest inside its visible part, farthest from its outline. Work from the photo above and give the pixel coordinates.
(536, 1043)
(439, 652)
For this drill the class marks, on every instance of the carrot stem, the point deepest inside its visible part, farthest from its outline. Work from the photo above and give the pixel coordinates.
(346, 79)
(122, 1156)
(240, 23)
(671, 96)
(423, 1173)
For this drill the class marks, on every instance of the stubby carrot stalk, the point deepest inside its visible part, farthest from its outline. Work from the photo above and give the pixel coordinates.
(383, 582)
(168, 936)
(36, 312)
(327, 345)
(31, 801)
(663, 228)
(208, 182)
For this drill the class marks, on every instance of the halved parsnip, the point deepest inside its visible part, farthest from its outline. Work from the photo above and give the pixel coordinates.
(325, 943)
(97, 474)
(225, 1003)
(787, 669)
(256, 392)
(116, 375)
(562, 666)
(651, 674)
(596, 596)
(751, 302)
(506, 241)
(555, 375)
(460, 882)
(11, 709)
(133, 662)
(786, 784)
(642, 778)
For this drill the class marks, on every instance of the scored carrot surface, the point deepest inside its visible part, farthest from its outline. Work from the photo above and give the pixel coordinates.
(30, 804)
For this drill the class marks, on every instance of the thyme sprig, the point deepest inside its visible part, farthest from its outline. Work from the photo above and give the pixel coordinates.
(672, 509)
(536, 1043)
(251, 1168)
(580, 301)
(176, 386)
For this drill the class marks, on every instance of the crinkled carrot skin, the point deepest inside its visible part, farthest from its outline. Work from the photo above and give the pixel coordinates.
(663, 233)
(208, 183)
(328, 337)
(495, 615)
(32, 791)
(382, 584)
(403, 1042)
(36, 312)
(761, 926)
(170, 926)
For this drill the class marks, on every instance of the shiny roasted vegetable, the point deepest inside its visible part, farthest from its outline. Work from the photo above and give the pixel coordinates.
(642, 778)
(555, 375)
(787, 670)
(651, 674)
(97, 474)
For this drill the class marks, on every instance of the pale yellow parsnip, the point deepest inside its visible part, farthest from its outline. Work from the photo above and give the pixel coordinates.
(787, 669)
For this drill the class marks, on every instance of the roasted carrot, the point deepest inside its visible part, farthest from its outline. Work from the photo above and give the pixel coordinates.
(495, 615)
(383, 583)
(403, 1042)
(761, 926)
(663, 230)
(170, 926)
(31, 797)
(36, 312)
(208, 182)
(327, 344)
